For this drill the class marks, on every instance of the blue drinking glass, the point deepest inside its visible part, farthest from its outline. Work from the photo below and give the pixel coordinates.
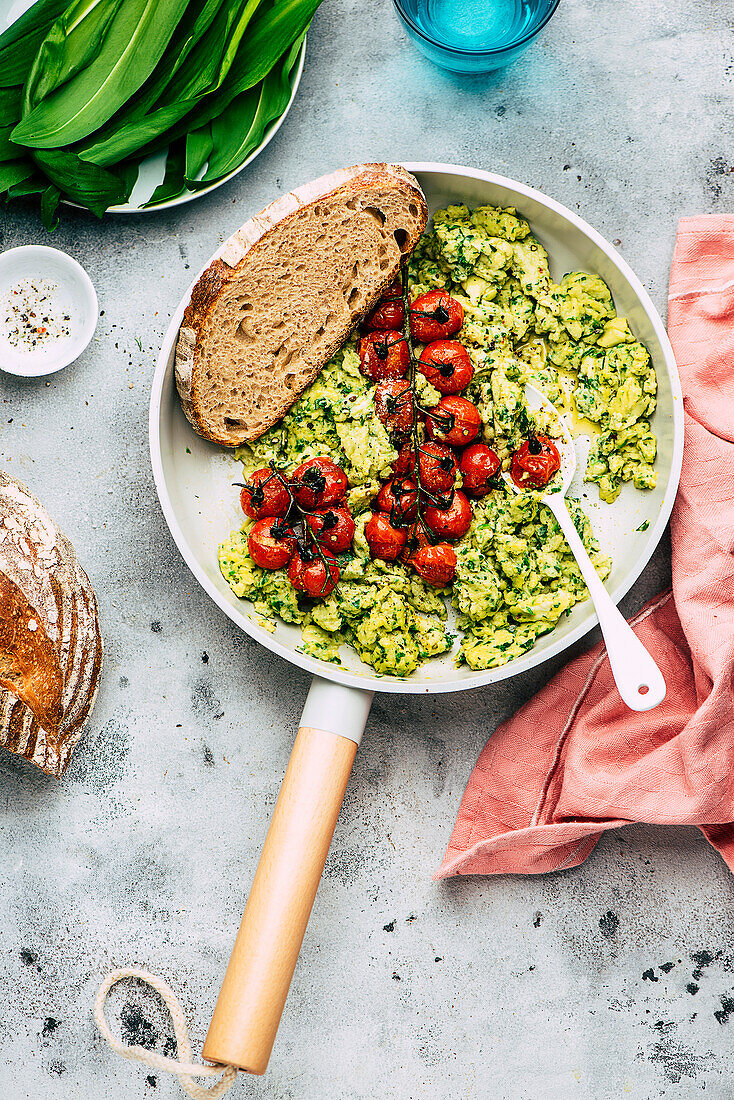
(474, 36)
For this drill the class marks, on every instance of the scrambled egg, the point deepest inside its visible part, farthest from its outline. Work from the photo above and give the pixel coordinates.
(564, 338)
(515, 574)
(393, 619)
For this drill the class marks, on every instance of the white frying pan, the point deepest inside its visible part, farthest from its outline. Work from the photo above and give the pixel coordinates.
(194, 481)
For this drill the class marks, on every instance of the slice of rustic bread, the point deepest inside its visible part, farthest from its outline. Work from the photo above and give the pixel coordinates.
(285, 292)
(50, 642)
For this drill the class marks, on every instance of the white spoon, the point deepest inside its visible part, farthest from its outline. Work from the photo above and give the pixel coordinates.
(638, 678)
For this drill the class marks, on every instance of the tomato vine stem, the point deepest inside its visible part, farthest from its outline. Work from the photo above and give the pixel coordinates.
(422, 493)
(307, 543)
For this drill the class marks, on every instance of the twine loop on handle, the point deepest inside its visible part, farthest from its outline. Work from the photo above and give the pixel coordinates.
(182, 1066)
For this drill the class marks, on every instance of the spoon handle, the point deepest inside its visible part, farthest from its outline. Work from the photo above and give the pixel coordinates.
(638, 678)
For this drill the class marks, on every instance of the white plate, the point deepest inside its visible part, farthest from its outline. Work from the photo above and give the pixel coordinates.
(153, 168)
(73, 295)
(194, 478)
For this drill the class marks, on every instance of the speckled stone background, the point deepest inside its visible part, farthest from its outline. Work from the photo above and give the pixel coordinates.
(612, 980)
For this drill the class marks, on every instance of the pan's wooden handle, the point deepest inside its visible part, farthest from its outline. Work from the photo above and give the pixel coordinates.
(264, 957)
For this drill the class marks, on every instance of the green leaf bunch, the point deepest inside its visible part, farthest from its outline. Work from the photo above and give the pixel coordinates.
(90, 88)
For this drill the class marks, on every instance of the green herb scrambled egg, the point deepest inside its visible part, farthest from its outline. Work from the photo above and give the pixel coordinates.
(515, 574)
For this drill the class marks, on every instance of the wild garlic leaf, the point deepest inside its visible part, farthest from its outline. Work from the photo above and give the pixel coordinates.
(241, 115)
(203, 73)
(10, 101)
(72, 43)
(35, 184)
(210, 60)
(194, 23)
(271, 34)
(93, 187)
(199, 145)
(19, 43)
(136, 137)
(140, 32)
(14, 171)
(233, 45)
(49, 204)
(8, 149)
(233, 142)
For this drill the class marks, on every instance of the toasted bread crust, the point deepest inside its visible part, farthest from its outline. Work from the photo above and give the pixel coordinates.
(204, 293)
(209, 285)
(233, 379)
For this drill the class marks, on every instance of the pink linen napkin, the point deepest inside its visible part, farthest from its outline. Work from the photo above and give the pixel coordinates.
(575, 761)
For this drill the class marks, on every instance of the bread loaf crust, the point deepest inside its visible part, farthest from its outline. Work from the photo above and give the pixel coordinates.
(232, 381)
(50, 640)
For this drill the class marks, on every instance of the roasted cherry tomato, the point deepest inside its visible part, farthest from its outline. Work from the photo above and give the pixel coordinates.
(479, 466)
(394, 405)
(435, 564)
(399, 497)
(454, 420)
(333, 527)
(265, 495)
(383, 355)
(318, 483)
(447, 366)
(434, 316)
(405, 462)
(452, 522)
(271, 543)
(384, 539)
(308, 574)
(389, 313)
(535, 463)
(437, 467)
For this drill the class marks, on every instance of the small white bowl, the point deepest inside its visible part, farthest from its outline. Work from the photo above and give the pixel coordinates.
(73, 295)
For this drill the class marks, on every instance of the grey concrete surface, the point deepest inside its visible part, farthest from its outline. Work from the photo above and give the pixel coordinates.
(613, 980)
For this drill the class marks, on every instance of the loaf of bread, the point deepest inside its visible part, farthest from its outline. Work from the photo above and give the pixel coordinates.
(50, 642)
(286, 291)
